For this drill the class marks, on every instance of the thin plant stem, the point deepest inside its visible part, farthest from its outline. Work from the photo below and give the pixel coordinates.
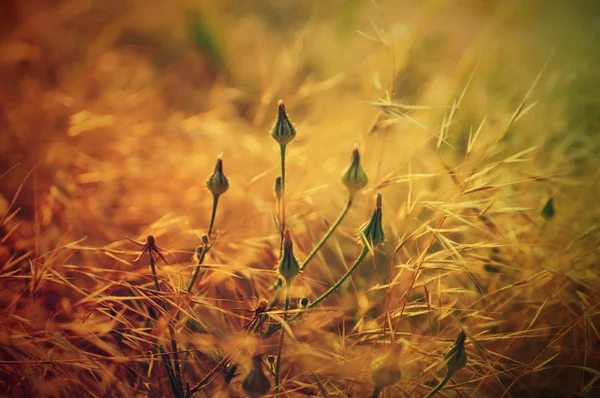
(281, 336)
(282, 208)
(205, 250)
(329, 232)
(351, 270)
(333, 288)
(175, 369)
(214, 212)
(319, 245)
(376, 392)
(440, 385)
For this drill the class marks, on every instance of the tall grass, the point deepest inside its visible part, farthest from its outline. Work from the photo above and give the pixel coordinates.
(476, 121)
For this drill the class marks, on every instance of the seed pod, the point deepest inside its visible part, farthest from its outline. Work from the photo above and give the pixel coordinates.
(256, 384)
(385, 370)
(217, 183)
(371, 233)
(283, 131)
(288, 267)
(354, 177)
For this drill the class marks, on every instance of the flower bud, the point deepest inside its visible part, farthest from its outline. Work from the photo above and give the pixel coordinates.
(256, 384)
(385, 370)
(288, 264)
(217, 183)
(283, 131)
(456, 356)
(304, 302)
(354, 177)
(278, 187)
(371, 233)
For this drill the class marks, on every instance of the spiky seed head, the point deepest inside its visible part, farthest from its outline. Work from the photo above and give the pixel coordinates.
(278, 187)
(354, 177)
(217, 183)
(456, 356)
(371, 233)
(256, 384)
(288, 267)
(283, 130)
(385, 370)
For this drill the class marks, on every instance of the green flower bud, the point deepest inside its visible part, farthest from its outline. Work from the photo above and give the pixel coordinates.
(278, 187)
(304, 302)
(288, 265)
(217, 183)
(354, 177)
(456, 356)
(283, 131)
(385, 370)
(256, 384)
(371, 233)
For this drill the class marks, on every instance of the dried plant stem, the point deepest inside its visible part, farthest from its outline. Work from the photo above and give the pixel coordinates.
(329, 232)
(174, 371)
(205, 250)
(281, 336)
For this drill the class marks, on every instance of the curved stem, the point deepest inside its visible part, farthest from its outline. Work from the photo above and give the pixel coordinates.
(329, 232)
(439, 386)
(281, 336)
(333, 288)
(360, 258)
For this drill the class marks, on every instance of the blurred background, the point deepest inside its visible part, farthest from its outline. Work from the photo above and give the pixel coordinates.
(112, 114)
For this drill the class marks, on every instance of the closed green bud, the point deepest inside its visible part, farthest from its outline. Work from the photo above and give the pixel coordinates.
(256, 384)
(354, 177)
(288, 264)
(371, 232)
(217, 183)
(283, 131)
(456, 357)
(385, 370)
(278, 187)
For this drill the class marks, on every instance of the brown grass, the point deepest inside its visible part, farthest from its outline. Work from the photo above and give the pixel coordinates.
(470, 116)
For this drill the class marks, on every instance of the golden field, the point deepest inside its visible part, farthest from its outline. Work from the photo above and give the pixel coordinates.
(477, 121)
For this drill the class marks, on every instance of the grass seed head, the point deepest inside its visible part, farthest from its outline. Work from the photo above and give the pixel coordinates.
(217, 183)
(256, 384)
(354, 177)
(371, 233)
(283, 131)
(288, 265)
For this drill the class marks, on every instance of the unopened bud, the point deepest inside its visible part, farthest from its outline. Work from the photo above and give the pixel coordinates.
(217, 183)
(371, 233)
(354, 177)
(283, 131)
(304, 302)
(256, 384)
(456, 356)
(288, 264)
(278, 188)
